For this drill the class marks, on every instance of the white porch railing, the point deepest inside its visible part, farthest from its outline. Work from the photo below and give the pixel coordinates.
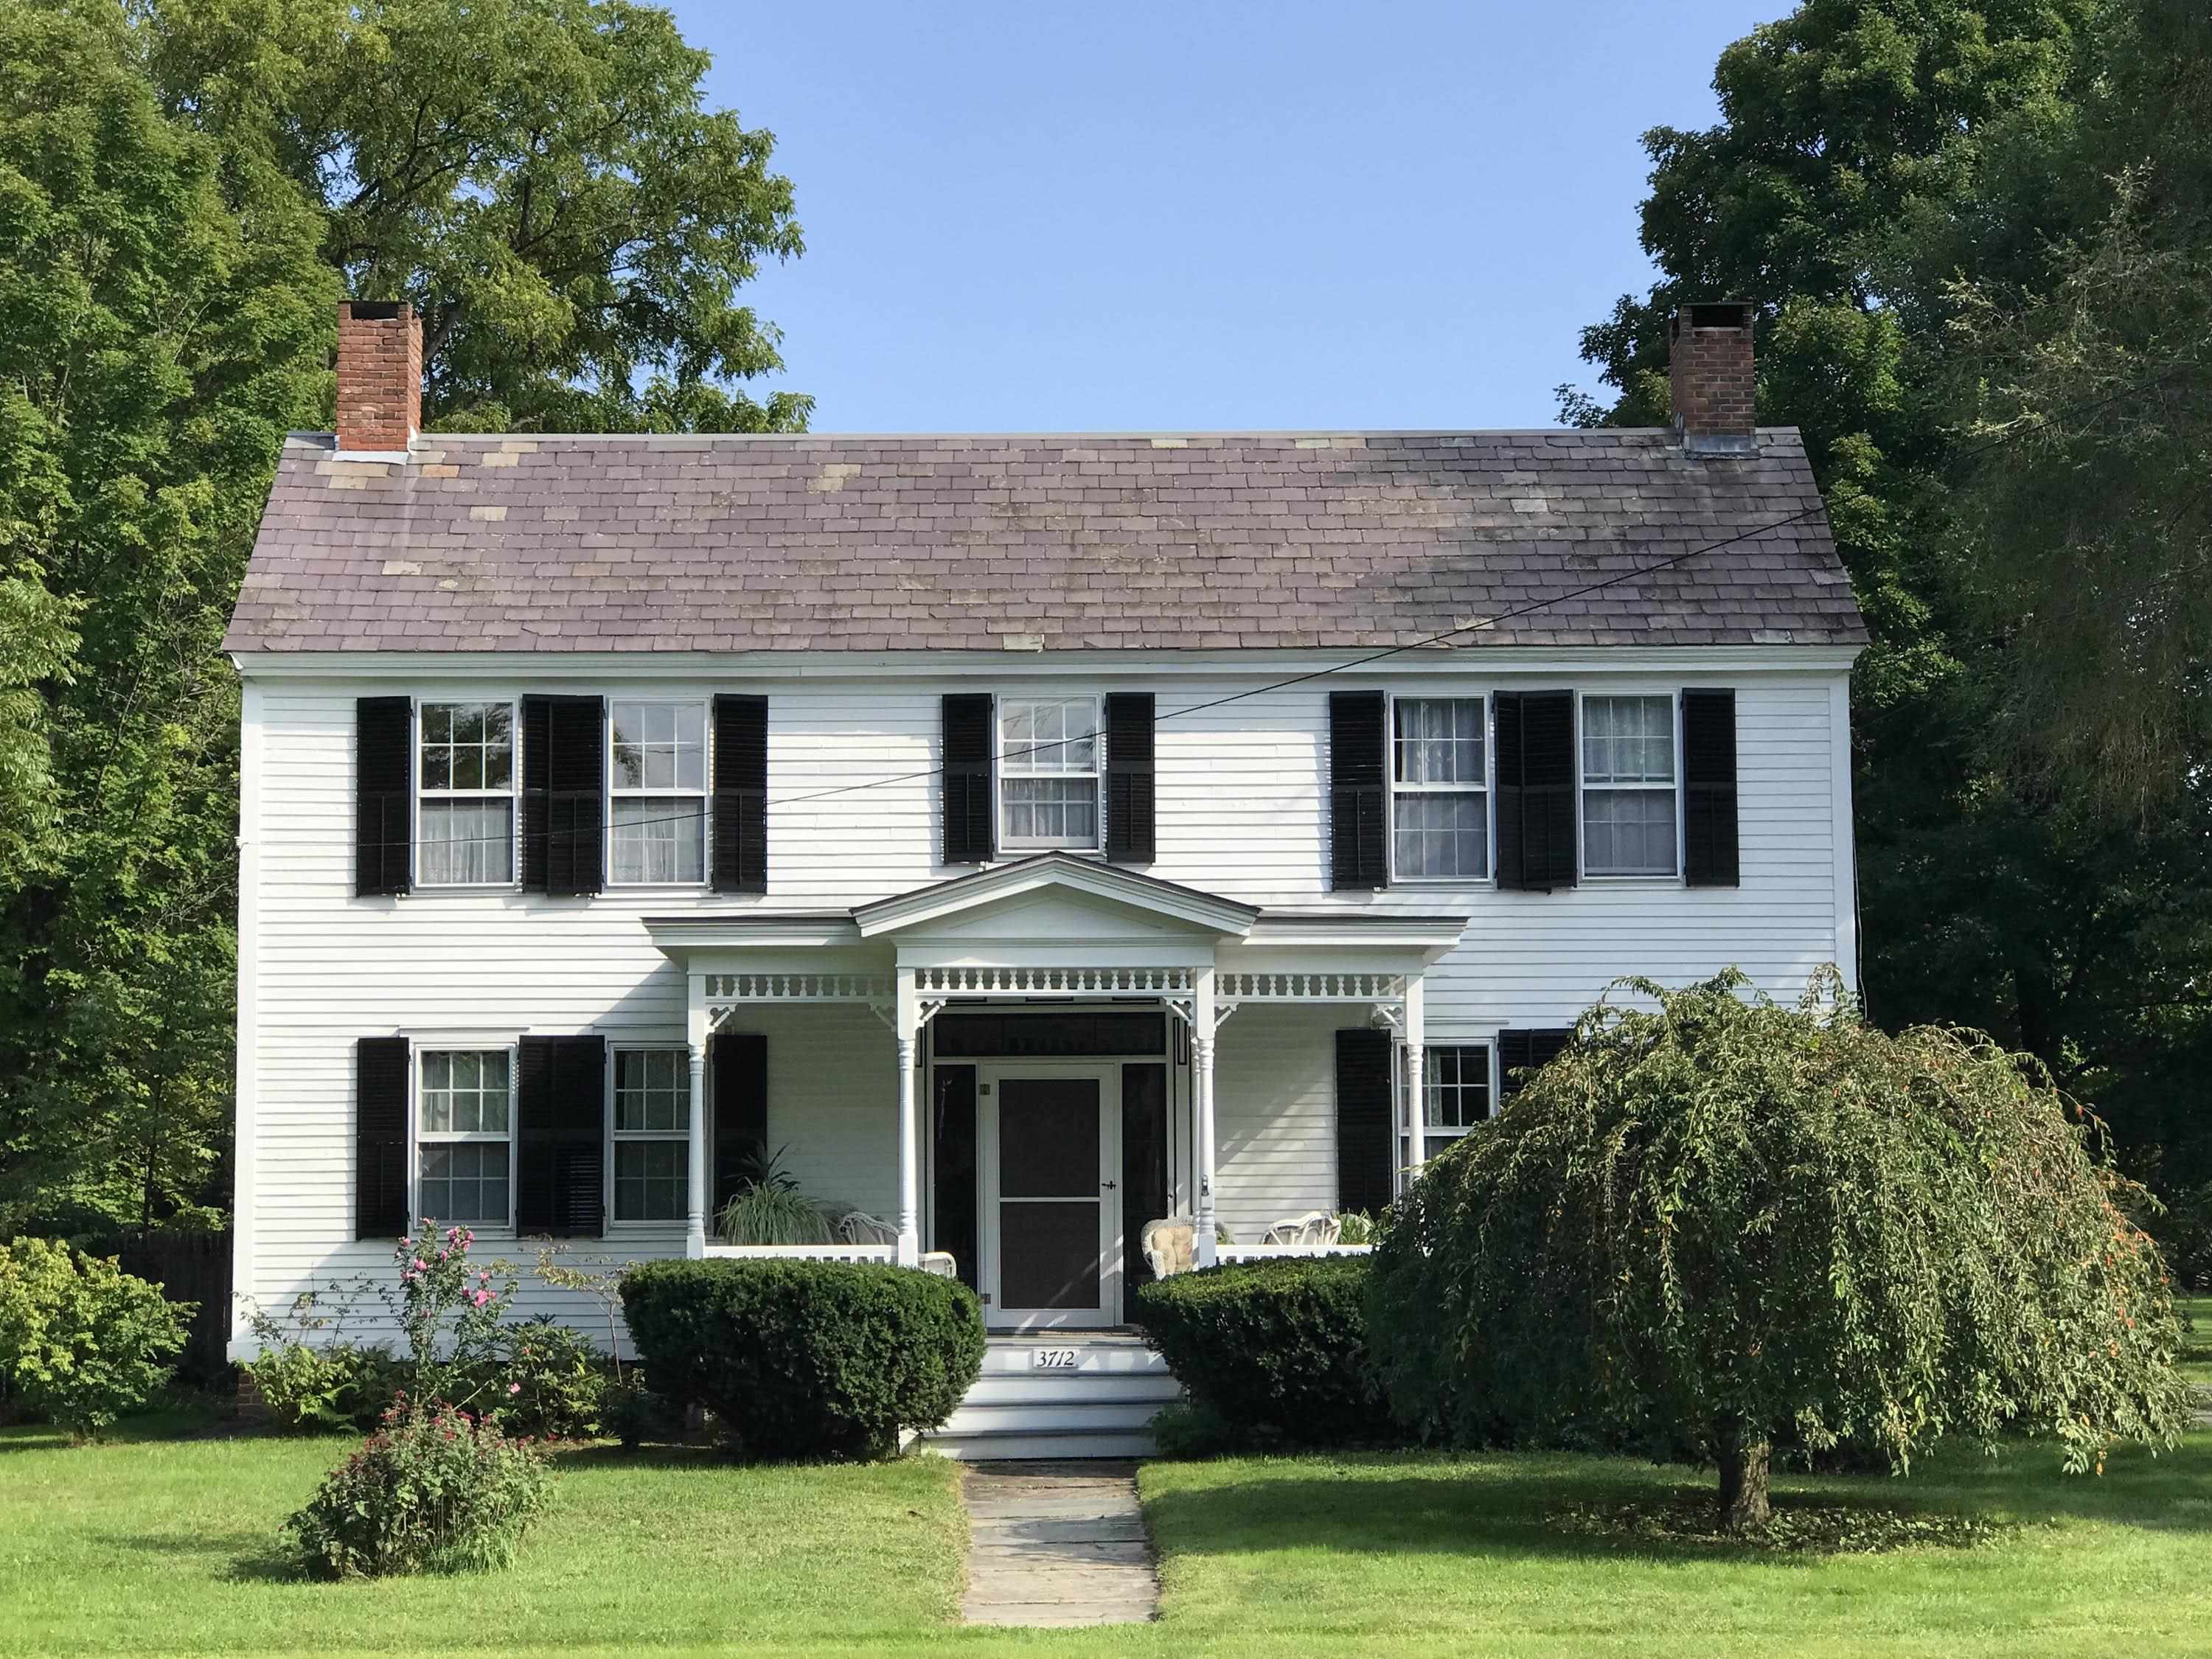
(803, 1252)
(1283, 1252)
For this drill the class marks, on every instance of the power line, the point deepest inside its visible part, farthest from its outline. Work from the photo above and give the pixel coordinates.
(2086, 407)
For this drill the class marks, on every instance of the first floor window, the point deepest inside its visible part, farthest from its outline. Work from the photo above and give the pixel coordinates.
(658, 811)
(463, 1135)
(653, 1123)
(1048, 771)
(1628, 787)
(466, 784)
(1454, 1093)
(1439, 790)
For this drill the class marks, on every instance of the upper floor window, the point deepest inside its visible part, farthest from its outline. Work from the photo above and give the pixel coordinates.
(1439, 791)
(463, 1135)
(1454, 1093)
(465, 814)
(1048, 773)
(651, 1131)
(657, 812)
(1628, 787)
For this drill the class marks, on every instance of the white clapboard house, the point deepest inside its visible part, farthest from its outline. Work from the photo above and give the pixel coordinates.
(1027, 838)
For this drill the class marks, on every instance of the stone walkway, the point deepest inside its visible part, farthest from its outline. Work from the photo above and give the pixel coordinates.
(1057, 1544)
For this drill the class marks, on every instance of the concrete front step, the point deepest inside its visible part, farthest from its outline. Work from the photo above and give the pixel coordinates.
(1100, 1404)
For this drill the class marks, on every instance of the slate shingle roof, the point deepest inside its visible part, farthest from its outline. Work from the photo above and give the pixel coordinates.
(874, 543)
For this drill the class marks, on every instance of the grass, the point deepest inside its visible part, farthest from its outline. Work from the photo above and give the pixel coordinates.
(164, 1545)
(2195, 1338)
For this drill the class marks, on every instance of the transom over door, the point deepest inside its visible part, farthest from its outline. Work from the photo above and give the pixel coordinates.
(1052, 1199)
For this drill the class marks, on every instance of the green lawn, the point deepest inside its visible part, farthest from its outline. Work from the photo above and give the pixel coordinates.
(2195, 1338)
(164, 1546)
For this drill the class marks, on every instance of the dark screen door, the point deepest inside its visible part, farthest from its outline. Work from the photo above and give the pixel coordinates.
(1050, 1201)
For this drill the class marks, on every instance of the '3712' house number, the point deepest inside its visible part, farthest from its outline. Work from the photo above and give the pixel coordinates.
(1051, 1359)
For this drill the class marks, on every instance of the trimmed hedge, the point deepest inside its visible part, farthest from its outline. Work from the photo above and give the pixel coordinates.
(1273, 1350)
(804, 1359)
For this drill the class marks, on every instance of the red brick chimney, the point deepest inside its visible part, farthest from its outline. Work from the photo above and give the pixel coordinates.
(1709, 368)
(379, 377)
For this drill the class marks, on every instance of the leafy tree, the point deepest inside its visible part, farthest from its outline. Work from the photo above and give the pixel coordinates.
(185, 191)
(542, 178)
(1929, 201)
(1752, 1223)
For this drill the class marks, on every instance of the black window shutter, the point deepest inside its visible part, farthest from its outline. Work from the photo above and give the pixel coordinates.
(1709, 821)
(1129, 788)
(1536, 789)
(379, 1137)
(741, 794)
(560, 1152)
(1525, 1050)
(1366, 1138)
(563, 794)
(1358, 854)
(384, 771)
(740, 1101)
(968, 818)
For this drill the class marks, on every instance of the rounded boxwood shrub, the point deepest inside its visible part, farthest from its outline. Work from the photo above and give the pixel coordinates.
(1272, 1350)
(799, 1359)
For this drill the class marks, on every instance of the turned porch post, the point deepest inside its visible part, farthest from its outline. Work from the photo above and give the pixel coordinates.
(1411, 1035)
(1203, 1251)
(908, 1030)
(695, 1209)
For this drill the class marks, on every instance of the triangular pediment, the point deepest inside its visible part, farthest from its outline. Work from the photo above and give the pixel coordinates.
(1056, 897)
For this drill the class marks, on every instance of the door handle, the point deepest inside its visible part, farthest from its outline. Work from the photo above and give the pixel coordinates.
(1107, 1185)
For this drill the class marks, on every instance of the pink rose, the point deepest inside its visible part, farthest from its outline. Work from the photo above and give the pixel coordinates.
(515, 1388)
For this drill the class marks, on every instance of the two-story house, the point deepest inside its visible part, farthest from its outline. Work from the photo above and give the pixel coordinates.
(1024, 838)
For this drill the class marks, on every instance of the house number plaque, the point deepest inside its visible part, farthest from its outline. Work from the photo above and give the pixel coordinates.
(1051, 1359)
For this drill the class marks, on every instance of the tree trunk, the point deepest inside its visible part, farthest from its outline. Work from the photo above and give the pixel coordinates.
(1744, 1455)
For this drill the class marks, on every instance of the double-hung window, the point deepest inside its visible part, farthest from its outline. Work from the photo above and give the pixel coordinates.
(651, 1131)
(466, 794)
(1439, 790)
(1629, 786)
(657, 811)
(464, 1136)
(1048, 773)
(1454, 1093)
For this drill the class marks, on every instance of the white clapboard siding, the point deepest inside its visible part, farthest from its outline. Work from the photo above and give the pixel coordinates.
(1242, 812)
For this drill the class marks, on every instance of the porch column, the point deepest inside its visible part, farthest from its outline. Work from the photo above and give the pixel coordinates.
(1203, 1249)
(1413, 1033)
(695, 1209)
(907, 1030)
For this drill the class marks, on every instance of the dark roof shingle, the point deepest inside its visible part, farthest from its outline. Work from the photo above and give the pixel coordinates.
(1203, 542)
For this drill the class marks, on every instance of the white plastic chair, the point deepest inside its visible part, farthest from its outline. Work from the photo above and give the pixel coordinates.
(1315, 1227)
(859, 1227)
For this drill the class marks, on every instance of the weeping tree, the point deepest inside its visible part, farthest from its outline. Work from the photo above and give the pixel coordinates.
(1739, 1224)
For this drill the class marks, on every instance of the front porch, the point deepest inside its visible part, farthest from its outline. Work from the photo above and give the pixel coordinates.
(1053, 1076)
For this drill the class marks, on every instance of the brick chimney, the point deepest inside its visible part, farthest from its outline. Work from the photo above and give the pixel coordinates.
(1709, 368)
(379, 377)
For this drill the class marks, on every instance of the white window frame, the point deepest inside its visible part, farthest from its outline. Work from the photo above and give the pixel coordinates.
(1674, 696)
(617, 1135)
(999, 774)
(1488, 1043)
(418, 1050)
(704, 794)
(512, 794)
(1391, 787)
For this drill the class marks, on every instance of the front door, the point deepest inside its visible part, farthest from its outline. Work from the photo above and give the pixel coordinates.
(1052, 1223)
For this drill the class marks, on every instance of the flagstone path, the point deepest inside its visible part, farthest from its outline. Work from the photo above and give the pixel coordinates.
(1057, 1544)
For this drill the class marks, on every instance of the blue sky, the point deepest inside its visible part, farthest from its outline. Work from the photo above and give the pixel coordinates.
(1043, 218)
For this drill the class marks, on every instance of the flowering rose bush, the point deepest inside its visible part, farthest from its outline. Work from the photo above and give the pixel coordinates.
(432, 1490)
(451, 1313)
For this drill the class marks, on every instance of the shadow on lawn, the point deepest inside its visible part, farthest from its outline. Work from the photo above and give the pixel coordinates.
(1497, 1506)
